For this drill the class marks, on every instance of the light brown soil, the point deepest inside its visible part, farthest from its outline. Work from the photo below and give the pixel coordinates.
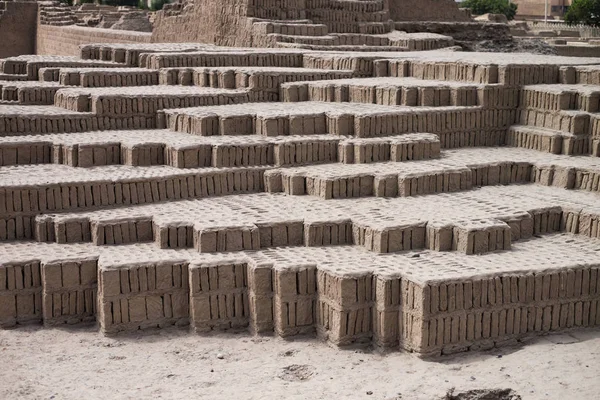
(38, 363)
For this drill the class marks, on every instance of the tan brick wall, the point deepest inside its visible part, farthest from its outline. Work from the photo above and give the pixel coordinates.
(426, 10)
(223, 23)
(17, 29)
(65, 40)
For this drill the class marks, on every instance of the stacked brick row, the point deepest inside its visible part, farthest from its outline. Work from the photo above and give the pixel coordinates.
(481, 313)
(465, 236)
(264, 289)
(143, 296)
(427, 317)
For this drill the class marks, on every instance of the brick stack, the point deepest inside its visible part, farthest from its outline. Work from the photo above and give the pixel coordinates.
(435, 202)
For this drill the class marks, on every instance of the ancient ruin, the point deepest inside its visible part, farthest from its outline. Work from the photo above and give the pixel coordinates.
(326, 173)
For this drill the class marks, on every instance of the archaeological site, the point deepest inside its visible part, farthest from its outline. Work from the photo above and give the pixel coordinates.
(359, 172)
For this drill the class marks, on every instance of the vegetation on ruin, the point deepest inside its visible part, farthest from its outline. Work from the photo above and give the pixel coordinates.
(585, 12)
(479, 7)
(155, 5)
(117, 3)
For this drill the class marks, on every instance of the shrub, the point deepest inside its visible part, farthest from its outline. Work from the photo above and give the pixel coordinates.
(117, 3)
(584, 12)
(156, 5)
(479, 7)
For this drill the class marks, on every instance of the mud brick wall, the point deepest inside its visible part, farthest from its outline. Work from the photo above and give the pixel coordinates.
(65, 40)
(277, 9)
(219, 296)
(508, 75)
(83, 156)
(18, 24)
(586, 180)
(122, 232)
(589, 224)
(26, 124)
(229, 238)
(571, 75)
(389, 239)
(574, 122)
(387, 310)
(446, 181)
(305, 151)
(76, 230)
(431, 70)
(223, 23)
(95, 194)
(69, 291)
(32, 68)
(485, 236)
(426, 10)
(72, 230)
(20, 293)
(478, 237)
(345, 307)
(577, 51)
(438, 121)
(279, 234)
(260, 296)
(143, 296)
(549, 142)
(230, 23)
(328, 233)
(16, 227)
(360, 67)
(86, 78)
(222, 59)
(481, 313)
(294, 305)
(329, 188)
(349, 17)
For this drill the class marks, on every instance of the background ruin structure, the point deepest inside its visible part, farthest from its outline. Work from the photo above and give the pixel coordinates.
(325, 174)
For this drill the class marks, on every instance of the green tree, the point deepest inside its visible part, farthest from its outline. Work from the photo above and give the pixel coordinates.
(156, 5)
(584, 12)
(479, 7)
(116, 3)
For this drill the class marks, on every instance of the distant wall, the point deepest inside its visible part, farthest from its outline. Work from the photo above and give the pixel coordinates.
(222, 22)
(426, 10)
(460, 31)
(17, 29)
(228, 22)
(536, 8)
(65, 40)
(577, 51)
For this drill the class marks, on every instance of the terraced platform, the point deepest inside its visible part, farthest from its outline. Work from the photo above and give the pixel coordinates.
(429, 201)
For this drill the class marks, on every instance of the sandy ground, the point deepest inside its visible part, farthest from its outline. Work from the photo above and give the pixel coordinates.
(39, 363)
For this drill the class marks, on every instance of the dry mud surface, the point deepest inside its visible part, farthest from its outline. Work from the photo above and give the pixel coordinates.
(42, 363)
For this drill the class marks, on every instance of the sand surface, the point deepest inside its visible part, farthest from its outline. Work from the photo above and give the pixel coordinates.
(39, 363)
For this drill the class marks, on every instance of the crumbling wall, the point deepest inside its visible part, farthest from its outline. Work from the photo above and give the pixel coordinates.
(223, 23)
(426, 10)
(65, 40)
(464, 31)
(17, 29)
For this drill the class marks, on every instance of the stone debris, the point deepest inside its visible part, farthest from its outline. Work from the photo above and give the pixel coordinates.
(482, 394)
(133, 21)
(431, 201)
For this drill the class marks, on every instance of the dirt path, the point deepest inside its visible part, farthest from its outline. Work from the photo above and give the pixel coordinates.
(38, 363)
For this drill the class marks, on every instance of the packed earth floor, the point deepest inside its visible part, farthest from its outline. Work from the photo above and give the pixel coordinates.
(430, 202)
(172, 364)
